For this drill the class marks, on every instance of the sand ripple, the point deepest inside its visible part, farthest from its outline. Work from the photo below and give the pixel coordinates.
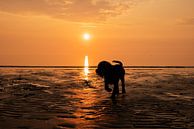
(60, 99)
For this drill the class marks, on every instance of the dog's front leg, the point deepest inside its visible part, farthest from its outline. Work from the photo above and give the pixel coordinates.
(107, 87)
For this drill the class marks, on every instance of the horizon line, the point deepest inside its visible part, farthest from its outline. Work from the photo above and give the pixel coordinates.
(68, 66)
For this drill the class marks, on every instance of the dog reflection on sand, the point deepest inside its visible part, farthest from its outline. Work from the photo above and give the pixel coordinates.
(112, 74)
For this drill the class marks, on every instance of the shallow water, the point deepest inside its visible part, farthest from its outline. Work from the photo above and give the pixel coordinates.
(66, 98)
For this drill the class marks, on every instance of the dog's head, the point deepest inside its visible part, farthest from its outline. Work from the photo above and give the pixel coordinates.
(103, 68)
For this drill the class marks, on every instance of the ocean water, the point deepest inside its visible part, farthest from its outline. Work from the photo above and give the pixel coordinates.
(57, 98)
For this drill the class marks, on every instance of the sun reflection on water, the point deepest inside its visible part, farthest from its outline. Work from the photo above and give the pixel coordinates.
(86, 68)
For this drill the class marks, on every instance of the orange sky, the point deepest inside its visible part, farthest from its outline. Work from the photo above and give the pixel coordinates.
(137, 32)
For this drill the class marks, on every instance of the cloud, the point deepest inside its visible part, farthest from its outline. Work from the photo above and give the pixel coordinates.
(186, 21)
(72, 10)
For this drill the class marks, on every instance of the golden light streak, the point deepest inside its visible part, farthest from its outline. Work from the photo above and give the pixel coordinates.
(86, 65)
(86, 68)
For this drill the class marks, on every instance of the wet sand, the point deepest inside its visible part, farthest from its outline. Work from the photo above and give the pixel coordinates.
(60, 99)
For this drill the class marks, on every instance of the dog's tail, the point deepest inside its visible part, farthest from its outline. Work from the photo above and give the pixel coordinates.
(119, 62)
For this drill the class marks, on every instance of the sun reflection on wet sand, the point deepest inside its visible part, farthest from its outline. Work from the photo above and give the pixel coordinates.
(86, 69)
(59, 99)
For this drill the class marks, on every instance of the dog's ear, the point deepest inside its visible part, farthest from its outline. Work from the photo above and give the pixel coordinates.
(104, 67)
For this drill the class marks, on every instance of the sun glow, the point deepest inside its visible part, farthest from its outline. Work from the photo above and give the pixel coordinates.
(86, 36)
(86, 65)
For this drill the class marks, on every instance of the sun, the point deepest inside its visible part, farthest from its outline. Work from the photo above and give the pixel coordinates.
(86, 36)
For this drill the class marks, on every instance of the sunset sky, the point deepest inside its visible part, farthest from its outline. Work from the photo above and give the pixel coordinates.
(137, 32)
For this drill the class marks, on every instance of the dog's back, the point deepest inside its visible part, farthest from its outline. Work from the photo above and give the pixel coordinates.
(106, 70)
(118, 68)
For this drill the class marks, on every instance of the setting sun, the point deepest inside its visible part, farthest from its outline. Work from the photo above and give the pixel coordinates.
(96, 64)
(86, 36)
(62, 32)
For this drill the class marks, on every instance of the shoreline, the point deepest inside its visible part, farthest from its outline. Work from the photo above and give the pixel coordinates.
(80, 67)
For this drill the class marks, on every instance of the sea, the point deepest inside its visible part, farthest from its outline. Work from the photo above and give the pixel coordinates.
(59, 97)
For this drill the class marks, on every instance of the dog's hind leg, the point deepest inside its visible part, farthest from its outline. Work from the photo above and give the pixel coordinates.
(115, 90)
(123, 84)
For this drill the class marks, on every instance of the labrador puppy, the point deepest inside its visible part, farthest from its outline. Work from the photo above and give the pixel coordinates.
(112, 74)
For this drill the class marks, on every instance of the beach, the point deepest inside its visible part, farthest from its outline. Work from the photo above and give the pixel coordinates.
(58, 98)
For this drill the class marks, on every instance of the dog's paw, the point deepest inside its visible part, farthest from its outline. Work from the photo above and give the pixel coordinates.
(123, 92)
(112, 97)
(108, 89)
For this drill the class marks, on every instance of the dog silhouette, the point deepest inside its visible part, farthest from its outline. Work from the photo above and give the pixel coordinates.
(112, 74)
